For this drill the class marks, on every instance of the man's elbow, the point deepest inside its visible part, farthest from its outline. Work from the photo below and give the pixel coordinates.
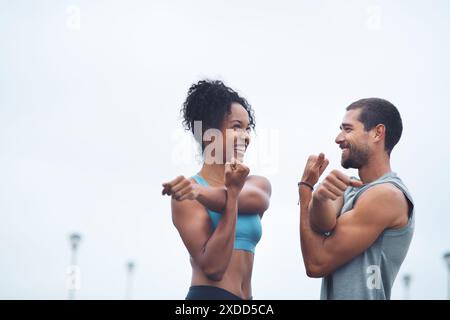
(322, 228)
(315, 271)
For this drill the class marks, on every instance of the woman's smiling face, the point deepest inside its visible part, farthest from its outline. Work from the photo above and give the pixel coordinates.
(236, 133)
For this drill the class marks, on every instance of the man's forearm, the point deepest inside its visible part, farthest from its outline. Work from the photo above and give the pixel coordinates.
(310, 241)
(322, 215)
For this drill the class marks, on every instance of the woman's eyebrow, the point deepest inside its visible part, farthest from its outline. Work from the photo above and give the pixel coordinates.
(241, 123)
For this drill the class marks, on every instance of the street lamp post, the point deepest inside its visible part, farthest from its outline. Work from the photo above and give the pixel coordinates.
(73, 270)
(130, 269)
(447, 262)
(407, 283)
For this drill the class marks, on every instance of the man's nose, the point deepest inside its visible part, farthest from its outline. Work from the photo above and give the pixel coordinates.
(340, 138)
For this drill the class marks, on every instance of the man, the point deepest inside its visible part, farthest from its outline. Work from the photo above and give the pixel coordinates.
(355, 233)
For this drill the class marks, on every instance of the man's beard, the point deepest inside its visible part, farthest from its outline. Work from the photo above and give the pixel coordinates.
(357, 157)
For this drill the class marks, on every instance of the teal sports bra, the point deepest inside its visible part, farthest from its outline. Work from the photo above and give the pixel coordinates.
(248, 226)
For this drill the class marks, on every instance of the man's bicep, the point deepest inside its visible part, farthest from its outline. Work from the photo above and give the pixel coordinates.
(360, 227)
(351, 236)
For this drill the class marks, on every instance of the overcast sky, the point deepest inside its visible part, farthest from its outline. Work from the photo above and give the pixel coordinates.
(90, 93)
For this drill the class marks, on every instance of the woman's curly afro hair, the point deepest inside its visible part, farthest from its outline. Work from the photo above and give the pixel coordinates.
(210, 101)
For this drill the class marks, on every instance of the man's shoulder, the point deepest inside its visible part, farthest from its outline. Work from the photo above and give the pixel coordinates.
(383, 203)
(386, 190)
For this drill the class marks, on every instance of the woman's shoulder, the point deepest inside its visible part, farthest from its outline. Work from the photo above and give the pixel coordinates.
(187, 211)
(261, 182)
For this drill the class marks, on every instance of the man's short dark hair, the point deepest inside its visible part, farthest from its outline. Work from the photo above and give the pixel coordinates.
(375, 111)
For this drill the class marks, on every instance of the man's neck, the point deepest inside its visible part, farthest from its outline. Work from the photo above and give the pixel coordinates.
(377, 167)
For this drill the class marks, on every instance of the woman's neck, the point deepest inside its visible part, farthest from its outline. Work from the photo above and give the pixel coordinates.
(213, 172)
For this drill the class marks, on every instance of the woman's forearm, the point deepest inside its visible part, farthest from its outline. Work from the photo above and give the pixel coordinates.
(213, 198)
(219, 248)
(251, 200)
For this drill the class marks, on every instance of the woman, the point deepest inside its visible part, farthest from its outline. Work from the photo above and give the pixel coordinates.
(218, 211)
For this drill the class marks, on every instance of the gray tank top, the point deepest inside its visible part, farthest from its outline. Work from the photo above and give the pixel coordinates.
(371, 274)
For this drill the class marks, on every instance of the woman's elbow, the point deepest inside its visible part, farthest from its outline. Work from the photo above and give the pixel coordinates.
(212, 271)
(213, 274)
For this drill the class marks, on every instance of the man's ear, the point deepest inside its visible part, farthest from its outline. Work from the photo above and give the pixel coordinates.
(379, 132)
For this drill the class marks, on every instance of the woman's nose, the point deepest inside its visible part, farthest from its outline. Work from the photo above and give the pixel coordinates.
(246, 137)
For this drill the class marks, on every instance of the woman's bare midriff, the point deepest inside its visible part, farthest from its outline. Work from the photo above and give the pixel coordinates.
(237, 278)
